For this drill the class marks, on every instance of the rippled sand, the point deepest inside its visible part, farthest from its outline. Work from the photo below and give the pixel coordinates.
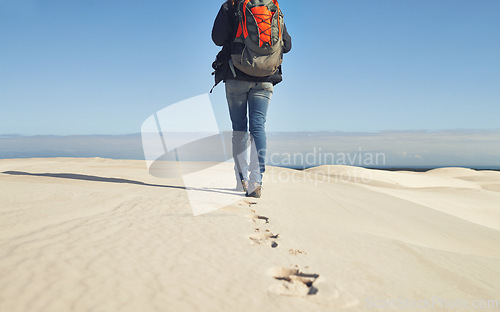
(103, 235)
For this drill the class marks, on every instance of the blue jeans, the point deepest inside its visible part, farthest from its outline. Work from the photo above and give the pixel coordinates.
(254, 97)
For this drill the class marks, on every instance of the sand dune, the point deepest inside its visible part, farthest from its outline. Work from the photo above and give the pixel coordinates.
(104, 235)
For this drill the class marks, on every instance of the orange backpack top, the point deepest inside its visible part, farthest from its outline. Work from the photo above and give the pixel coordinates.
(259, 36)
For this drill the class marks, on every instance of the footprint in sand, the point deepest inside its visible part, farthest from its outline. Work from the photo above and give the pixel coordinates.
(264, 238)
(248, 203)
(293, 282)
(296, 252)
(257, 218)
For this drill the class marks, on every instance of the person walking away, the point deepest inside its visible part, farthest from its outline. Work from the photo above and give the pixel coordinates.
(254, 38)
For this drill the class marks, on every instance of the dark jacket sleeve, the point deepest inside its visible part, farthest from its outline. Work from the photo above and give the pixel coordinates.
(223, 26)
(287, 40)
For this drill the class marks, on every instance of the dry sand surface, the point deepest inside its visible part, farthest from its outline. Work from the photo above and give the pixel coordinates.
(103, 235)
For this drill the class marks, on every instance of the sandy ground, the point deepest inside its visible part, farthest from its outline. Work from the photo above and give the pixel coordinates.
(103, 235)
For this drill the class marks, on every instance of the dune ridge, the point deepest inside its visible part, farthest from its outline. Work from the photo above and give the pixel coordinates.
(95, 234)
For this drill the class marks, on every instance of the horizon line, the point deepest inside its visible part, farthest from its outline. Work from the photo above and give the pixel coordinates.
(2, 135)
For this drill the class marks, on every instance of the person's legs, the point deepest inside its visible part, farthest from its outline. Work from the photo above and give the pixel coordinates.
(258, 102)
(237, 97)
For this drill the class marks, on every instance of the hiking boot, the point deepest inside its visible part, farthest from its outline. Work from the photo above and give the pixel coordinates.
(242, 186)
(254, 190)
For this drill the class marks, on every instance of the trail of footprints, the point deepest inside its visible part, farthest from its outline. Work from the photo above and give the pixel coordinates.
(291, 281)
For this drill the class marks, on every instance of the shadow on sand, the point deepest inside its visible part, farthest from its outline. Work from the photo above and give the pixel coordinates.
(84, 177)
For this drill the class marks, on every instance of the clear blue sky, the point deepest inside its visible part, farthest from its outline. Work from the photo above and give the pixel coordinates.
(102, 67)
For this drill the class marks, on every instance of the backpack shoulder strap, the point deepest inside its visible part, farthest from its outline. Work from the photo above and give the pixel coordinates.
(239, 15)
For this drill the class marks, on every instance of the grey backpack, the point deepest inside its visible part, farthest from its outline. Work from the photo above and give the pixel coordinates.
(258, 45)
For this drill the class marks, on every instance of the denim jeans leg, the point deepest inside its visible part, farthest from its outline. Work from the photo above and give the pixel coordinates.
(237, 98)
(258, 103)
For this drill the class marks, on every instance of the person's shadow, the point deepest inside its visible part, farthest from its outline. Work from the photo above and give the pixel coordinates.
(85, 177)
(74, 176)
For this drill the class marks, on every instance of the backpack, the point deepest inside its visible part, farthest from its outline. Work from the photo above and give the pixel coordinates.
(258, 44)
